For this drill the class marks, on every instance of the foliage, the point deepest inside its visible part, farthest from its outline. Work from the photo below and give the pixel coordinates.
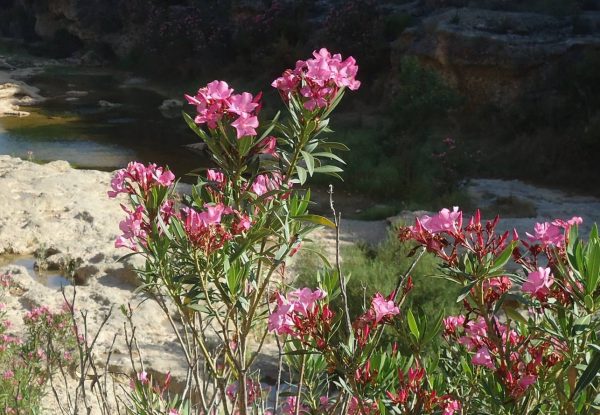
(27, 363)
(375, 269)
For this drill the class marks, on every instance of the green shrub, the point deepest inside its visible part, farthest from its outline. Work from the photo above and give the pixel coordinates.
(372, 270)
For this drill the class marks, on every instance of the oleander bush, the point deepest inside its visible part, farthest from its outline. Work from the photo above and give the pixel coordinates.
(520, 342)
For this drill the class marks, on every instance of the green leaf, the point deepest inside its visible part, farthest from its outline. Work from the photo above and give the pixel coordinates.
(310, 162)
(329, 155)
(592, 265)
(190, 122)
(412, 324)
(581, 324)
(593, 233)
(301, 174)
(245, 144)
(465, 291)
(503, 258)
(328, 169)
(514, 315)
(334, 103)
(270, 128)
(316, 219)
(434, 329)
(589, 302)
(588, 374)
(335, 145)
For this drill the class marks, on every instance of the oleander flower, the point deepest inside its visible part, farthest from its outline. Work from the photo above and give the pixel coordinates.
(539, 282)
(483, 358)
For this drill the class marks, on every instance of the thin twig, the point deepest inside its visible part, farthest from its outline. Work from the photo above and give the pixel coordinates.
(402, 278)
(299, 392)
(337, 218)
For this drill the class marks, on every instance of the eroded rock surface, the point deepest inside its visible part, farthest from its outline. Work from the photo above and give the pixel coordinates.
(63, 216)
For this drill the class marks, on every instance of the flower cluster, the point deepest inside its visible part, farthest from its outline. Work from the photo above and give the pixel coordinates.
(318, 80)
(300, 316)
(144, 177)
(382, 310)
(503, 351)
(445, 231)
(136, 226)
(552, 233)
(268, 182)
(217, 100)
(412, 391)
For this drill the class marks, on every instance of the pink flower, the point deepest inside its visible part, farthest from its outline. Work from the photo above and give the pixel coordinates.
(287, 82)
(475, 331)
(483, 358)
(319, 79)
(280, 321)
(213, 213)
(143, 378)
(173, 411)
(367, 408)
(527, 380)
(118, 183)
(264, 183)
(197, 221)
(444, 221)
(8, 374)
(304, 299)
(242, 224)
(289, 407)
(164, 178)
(216, 90)
(242, 103)
(134, 229)
(538, 282)
(547, 234)
(268, 146)
(317, 97)
(451, 323)
(298, 302)
(143, 176)
(245, 125)
(450, 407)
(383, 308)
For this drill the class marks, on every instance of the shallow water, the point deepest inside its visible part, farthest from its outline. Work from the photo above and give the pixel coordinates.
(51, 279)
(76, 127)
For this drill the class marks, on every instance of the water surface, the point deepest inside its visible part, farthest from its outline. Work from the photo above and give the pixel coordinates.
(100, 119)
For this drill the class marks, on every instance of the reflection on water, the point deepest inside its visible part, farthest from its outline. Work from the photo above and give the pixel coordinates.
(51, 279)
(96, 119)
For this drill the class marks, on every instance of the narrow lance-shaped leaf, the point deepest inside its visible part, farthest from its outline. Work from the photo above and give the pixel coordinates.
(412, 324)
(588, 374)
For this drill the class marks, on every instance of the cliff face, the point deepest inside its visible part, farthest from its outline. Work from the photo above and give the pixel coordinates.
(498, 56)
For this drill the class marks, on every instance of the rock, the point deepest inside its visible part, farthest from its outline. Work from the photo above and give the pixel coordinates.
(58, 262)
(107, 104)
(494, 56)
(82, 275)
(71, 223)
(171, 108)
(14, 93)
(76, 93)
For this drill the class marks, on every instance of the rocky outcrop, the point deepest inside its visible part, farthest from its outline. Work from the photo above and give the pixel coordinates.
(63, 217)
(499, 56)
